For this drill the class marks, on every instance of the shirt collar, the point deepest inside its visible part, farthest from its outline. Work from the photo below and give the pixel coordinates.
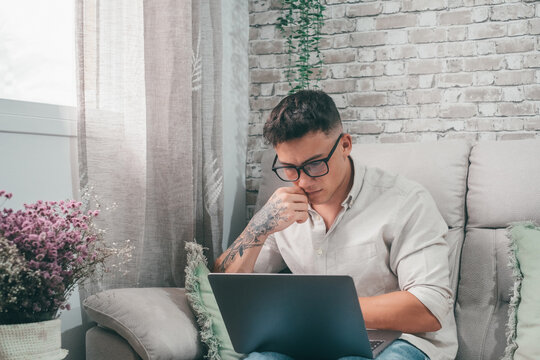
(358, 172)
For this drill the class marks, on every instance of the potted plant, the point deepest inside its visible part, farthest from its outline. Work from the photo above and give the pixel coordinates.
(45, 250)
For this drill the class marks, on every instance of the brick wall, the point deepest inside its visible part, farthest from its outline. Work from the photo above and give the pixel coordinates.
(409, 70)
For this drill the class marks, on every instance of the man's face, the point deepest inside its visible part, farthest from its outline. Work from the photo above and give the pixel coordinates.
(315, 146)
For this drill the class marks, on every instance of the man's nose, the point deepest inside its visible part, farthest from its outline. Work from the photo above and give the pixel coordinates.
(304, 180)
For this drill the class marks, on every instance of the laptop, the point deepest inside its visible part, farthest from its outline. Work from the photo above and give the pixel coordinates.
(303, 316)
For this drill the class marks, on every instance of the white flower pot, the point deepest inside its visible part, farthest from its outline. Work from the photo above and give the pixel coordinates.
(39, 340)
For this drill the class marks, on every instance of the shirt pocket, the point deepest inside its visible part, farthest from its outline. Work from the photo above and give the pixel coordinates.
(363, 263)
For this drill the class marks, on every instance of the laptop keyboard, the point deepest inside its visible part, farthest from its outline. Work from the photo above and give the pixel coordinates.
(375, 344)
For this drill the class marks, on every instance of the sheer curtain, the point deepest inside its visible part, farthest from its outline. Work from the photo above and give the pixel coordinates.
(150, 130)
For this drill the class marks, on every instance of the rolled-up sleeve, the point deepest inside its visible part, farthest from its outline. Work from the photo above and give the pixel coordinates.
(269, 259)
(419, 253)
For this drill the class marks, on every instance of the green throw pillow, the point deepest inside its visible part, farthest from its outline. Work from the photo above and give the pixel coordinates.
(201, 298)
(523, 328)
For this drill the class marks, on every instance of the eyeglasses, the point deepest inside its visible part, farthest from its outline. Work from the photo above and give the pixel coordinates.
(316, 168)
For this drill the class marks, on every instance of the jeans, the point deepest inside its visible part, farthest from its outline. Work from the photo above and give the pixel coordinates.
(398, 350)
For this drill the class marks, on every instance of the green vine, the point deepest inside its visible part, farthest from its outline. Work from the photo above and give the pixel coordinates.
(301, 22)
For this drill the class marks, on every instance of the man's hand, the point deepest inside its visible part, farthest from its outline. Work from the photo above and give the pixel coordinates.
(286, 206)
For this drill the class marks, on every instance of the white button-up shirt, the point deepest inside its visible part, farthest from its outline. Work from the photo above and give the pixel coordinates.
(389, 236)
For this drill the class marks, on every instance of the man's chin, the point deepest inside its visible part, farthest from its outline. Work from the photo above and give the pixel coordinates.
(316, 197)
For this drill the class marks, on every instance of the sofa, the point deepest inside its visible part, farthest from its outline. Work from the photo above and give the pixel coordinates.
(479, 189)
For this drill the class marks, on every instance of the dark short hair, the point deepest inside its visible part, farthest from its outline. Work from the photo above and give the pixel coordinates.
(300, 113)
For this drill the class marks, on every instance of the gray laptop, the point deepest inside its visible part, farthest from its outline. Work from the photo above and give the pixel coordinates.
(303, 316)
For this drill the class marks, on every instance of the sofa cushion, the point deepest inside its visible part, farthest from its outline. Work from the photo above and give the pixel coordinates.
(524, 313)
(483, 295)
(201, 299)
(102, 343)
(156, 322)
(504, 183)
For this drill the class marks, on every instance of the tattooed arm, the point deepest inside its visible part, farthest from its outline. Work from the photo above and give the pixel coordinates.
(286, 206)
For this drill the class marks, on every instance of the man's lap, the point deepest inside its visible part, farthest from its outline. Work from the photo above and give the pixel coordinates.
(398, 350)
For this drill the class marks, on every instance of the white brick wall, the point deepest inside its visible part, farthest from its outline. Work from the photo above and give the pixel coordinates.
(410, 70)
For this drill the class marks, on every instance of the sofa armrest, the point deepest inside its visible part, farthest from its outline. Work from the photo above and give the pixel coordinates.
(156, 322)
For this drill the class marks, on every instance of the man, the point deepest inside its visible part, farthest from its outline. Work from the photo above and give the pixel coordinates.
(340, 217)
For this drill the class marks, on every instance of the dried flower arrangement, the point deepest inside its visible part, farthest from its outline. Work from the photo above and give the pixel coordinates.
(45, 250)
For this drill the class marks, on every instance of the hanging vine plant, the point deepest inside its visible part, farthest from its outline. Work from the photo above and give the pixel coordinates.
(301, 22)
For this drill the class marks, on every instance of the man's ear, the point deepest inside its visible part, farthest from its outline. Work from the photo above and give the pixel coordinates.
(346, 144)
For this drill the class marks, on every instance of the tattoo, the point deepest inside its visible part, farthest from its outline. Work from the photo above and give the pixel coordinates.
(266, 220)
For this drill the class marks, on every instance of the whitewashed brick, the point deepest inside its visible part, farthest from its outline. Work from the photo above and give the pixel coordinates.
(457, 33)
(487, 109)
(512, 124)
(454, 65)
(514, 136)
(452, 135)
(267, 61)
(479, 124)
(482, 94)
(342, 41)
(534, 26)
(532, 92)
(364, 127)
(516, 109)
(394, 68)
(396, 37)
(423, 5)
(430, 96)
(512, 12)
(428, 35)
(427, 18)
(420, 125)
(391, 7)
(393, 126)
(395, 21)
(365, 139)
(513, 94)
(429, 111)
(514, 62)
(452, 95)
(483, 78)
(264, 18)
(358, 10)
(455, 80)
(397, 98)
(365, 85)
(340, 100)
(365, 24)
(397, 112)
(366, 55)
(485, 47)
(338, 86)
(395, 83)
(426, 81)
(399, 138)
(426, 51)
(368, 38)
(456, 49)
(455, 4)
(338, 11)
(518, 77)
(489, 136)
(504, 46)
(395, 53)
(265, 75)
(425, 66)
(487, 30)
(532, 124)
(519, 27)
(337, 26)
(338, 71)
(483, 63)
(338, 56)
(456, 17)
(267, 89)
(366, 69)
(367, 99)
(367, 113)
(480, 14)
(267, 32)
(458, 110)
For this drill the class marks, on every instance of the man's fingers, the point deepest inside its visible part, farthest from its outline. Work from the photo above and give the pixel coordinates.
(296, 198)
(299, 206)
(302, 217)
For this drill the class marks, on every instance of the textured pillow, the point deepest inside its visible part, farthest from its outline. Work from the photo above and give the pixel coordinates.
(156, 322)
(201, 298)
(523, 328)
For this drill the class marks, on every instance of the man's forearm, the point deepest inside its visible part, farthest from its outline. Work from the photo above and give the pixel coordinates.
(242, 254)
(400, 311)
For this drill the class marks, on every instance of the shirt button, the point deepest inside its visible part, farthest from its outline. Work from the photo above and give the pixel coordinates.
(319, 252)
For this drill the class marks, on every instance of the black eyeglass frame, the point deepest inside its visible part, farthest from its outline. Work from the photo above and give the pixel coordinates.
(298, 168)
